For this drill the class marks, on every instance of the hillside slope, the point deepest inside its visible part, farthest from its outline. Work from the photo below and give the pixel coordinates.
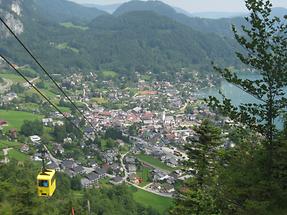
(141, 41)
(61, 10)
(220, 26)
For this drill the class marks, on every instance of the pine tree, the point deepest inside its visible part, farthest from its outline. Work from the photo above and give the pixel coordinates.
(203, 152)
(264, 40)
(196, 196)
(252, 182)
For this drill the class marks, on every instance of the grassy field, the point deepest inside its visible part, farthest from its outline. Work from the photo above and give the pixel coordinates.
(144, 174)
(99, 100)
(124, 149)
(132, 91)
(104, 183)
(15, 119)
(51, 95)
(64, 109)
(29, 72)
(105, 144)
(78, 194)
(71, 25)
(146, 77)
(66, 46)
(28, 106)
(13, 77)
(17, 155)
(108, 74)
(159, 203)
(154, 162)
(47, 93)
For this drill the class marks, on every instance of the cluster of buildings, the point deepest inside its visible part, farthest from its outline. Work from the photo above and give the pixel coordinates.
(162, 127)
(8, 98)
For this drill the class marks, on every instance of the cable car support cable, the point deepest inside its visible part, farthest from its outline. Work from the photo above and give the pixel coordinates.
(45, 71)
(44, 96)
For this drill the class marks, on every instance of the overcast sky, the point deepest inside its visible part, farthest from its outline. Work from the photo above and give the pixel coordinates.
(198, 5)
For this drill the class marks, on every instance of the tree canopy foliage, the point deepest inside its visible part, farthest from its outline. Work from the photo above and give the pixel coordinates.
(197, 194)
(265, 42)
(18, 195)
(250, 179)
(30, 128)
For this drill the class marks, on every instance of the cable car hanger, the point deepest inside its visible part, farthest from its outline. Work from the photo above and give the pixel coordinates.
(44, 169)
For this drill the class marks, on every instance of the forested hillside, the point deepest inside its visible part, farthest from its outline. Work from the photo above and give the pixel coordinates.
(222, 26)
(60, 11)
(136, 41)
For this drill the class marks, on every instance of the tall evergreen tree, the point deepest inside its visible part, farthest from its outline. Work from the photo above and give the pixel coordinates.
(264, 40)
(251, 183)
(196, 196)
(203, 153)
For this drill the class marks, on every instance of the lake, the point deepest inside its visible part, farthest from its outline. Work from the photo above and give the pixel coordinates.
(236, 95)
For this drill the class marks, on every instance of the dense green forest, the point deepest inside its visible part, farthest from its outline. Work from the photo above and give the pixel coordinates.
(136, 41)
(67, 37)
(57, 10)
(220, 27)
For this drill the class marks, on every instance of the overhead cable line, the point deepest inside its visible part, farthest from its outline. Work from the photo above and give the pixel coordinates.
(45, 71)
(44, 96)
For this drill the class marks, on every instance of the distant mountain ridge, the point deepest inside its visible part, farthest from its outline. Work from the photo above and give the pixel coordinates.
(61, 10)
(218, 15)
(155, 6)
(143, 41)
(219, 26)
(111, 8)
(276, 11)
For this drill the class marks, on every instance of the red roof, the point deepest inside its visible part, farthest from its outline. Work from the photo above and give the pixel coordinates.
(132, 118)
(67, 114)
(106, 113)
(170, 136)
(147, 116)
(3, 122)
(148, 93)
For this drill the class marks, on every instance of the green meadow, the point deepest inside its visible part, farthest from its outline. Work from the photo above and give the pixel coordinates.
(15, 119)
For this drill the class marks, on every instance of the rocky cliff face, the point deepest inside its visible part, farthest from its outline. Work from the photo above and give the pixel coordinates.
(11, 12)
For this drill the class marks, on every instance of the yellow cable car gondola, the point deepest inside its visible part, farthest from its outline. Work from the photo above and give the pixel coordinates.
(46, 180)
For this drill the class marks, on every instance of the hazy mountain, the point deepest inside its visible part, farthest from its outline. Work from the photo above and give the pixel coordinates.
(155, 6)
(144, 36)
(220, 26)
(60, 10)
(279, 11)
(107, 8)
(218, 15)
(276, 11)
(180, 10)
(141, 41)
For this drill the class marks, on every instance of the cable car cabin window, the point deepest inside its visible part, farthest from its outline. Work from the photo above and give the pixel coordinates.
(43, 183)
